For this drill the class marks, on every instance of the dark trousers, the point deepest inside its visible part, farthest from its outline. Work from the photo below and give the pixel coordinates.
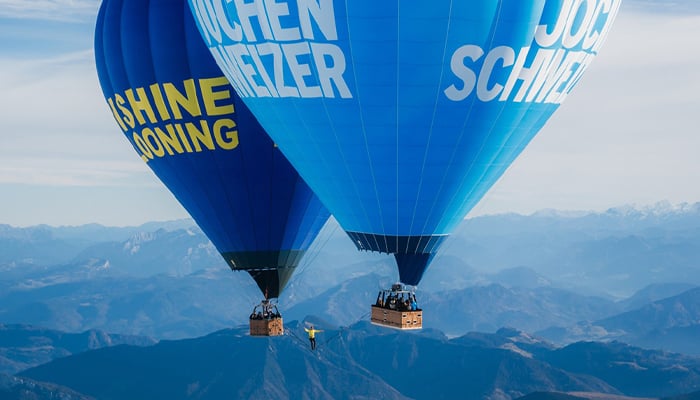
(313, 343)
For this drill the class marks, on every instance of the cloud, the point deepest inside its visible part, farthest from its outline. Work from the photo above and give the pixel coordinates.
(63, 159)
(677, 7)
(57, 129)
(55, 10)
(628, 134)
(66, 171)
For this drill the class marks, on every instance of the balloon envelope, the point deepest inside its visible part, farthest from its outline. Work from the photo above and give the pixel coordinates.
(185, 121)
(405, 113)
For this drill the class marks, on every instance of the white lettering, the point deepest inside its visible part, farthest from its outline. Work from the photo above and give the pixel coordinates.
(545, 38)
(292, 52)
(329, 74)
(517, 73)
(230, 69)
(232, 30)
(206, 17)
(260, 66)
(249, 11)
(323, 13)
(612, 13)
(259, 70)
(563, 47)
(264, 54)
(274, 12)
(546, 71)
(527, 75)
(553, 85)
(570, 38)
(464, 73)
(502, 53)
(239, 51)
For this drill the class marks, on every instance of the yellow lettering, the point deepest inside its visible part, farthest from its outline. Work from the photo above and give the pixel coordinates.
(181, 134)
(116, 115)
(140, 105)
(128, 116)
(197, 136)
(231, 134)
(146, 153)
(152, 141)
(169, 140)
(210, 96)
(188, 101)
(160, 103)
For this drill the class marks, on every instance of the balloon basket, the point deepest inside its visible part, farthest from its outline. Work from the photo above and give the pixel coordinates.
(267, 327)
(397, 308)
(265, 320)
(396, 319)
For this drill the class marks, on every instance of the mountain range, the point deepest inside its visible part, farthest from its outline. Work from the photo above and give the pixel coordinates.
(363, 361)
(567, 277)
(23, 346)
(614, 253)
(547, 270)
(671, 324)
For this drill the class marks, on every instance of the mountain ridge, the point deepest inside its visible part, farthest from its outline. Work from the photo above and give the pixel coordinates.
(364, 361)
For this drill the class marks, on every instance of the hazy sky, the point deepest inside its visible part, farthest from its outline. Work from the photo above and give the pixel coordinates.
(628, 134)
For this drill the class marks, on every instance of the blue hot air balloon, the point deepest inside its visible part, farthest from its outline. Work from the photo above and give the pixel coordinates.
(182, 117)
(402, 114)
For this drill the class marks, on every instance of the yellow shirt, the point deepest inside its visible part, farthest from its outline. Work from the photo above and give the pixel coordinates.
(312, 332)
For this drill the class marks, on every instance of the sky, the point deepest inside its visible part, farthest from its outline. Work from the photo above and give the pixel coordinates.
(627, 135)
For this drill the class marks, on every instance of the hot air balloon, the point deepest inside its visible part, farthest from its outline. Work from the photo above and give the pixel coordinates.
(184, 120)
(407, 111)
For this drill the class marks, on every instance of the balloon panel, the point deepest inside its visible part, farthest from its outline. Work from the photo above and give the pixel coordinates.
(401, 115)
(186, 122)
